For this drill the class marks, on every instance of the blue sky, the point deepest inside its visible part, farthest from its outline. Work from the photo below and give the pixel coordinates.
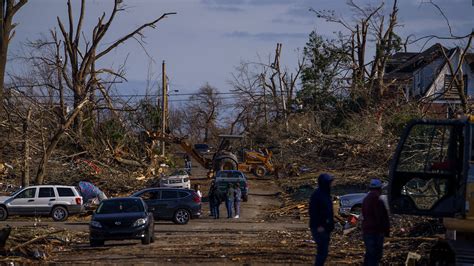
(208, 38)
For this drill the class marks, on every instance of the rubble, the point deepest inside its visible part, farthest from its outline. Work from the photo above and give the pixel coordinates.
(29, 243)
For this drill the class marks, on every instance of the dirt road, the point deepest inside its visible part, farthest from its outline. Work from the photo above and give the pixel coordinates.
(252, 239)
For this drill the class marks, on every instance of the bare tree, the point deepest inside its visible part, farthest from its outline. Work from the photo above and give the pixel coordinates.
(8, 9)
(203, 111)
(370, 22)
(78, 68)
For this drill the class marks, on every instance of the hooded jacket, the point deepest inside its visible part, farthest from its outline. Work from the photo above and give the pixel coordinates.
(320, 205)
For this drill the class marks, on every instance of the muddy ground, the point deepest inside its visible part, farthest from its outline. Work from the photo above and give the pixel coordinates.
(260, 236)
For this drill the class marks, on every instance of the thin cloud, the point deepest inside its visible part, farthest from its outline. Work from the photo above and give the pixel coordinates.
(266, 36)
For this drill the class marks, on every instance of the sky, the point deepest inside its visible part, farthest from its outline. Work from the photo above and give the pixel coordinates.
(207, 39)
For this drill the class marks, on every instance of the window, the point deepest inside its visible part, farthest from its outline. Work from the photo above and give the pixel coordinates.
(183, 194)
(46, 192)
(65, 192)
(27, 194)
(169, 194)
(149, 195)
(431, 149)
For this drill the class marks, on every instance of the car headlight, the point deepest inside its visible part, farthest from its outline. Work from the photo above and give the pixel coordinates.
(140, 222)
(96, 224)
(345, 202)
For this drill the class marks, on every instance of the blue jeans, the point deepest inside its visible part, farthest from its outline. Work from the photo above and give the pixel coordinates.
(215, 210)
(322, 246)
(373, 249)
(229, 204)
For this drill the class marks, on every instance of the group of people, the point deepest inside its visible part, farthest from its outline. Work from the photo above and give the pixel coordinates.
(374, 216)
(232, 198)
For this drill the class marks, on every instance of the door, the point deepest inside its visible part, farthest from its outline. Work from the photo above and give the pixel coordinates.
(429, 169)
(23, 202)
(151, 198)
(45, 200)
(168, 203)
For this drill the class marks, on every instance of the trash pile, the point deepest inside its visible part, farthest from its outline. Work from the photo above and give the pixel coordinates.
(26, 244)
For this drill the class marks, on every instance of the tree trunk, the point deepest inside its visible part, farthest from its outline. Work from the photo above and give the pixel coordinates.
(25, 178)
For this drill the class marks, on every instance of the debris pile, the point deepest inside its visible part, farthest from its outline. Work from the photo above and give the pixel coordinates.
(28, 243)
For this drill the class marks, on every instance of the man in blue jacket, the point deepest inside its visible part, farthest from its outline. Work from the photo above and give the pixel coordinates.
(321, 217)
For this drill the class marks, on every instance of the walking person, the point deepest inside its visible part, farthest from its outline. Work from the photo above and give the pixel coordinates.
(230, 199)
(321, 217)
(237, 200)
(375, 223)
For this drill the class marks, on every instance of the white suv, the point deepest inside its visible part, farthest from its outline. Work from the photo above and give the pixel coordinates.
(57, 201)
(178, 179)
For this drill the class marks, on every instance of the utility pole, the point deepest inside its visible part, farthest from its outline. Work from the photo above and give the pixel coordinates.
(164, 107)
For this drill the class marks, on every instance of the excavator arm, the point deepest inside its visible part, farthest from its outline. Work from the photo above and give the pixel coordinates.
(168, 138)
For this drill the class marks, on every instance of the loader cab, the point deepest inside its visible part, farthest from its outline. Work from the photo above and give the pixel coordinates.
(429, 169)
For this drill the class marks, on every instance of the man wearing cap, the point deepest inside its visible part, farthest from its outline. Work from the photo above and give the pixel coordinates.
(375, 223)
(321, 217)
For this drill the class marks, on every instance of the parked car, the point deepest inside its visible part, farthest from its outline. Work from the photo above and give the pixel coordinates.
(57, 201)
(225, 177)
(352, 203)
(177, 205)
(178, 179)
(202, 148)
(120, 219)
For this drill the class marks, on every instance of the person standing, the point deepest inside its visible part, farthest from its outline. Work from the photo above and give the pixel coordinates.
(375, 223)
(210, 197)
(321, 217)
(216, 200)
(197, 189)
(237, 200)
(230, 199)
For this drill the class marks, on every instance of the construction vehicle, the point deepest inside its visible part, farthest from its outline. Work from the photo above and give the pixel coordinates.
(432, 174)
(225, 158)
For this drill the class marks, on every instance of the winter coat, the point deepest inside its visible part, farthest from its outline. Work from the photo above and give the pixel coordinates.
(320, 205)
(374, 215)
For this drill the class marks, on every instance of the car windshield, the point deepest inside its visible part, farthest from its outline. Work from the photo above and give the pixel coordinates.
(201, 146)
(229, 174)
(120, 206)
(179, 172)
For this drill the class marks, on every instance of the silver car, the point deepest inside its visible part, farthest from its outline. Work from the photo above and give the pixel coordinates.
(57, 201)
(352, 203)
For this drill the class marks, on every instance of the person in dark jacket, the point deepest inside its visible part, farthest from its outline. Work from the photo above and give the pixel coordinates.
(375, 223)
(216, 199)
(321, 217)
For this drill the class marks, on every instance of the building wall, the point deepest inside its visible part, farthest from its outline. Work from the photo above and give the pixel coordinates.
(438, 85)
(423, 77)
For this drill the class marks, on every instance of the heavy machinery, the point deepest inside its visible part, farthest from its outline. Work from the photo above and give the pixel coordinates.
(226, 157)
(432, 174)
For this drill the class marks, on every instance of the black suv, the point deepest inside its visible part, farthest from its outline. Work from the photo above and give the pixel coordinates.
(119, 219)
(177, 205)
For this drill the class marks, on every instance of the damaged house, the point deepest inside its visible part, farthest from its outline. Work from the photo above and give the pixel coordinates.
(426, 77)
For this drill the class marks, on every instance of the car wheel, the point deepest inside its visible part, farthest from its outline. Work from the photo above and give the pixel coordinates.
(147, 239)
(181, 216)
(96, 243)
(3, 213)
(260, 171)
(152, 235)
(59, 214)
